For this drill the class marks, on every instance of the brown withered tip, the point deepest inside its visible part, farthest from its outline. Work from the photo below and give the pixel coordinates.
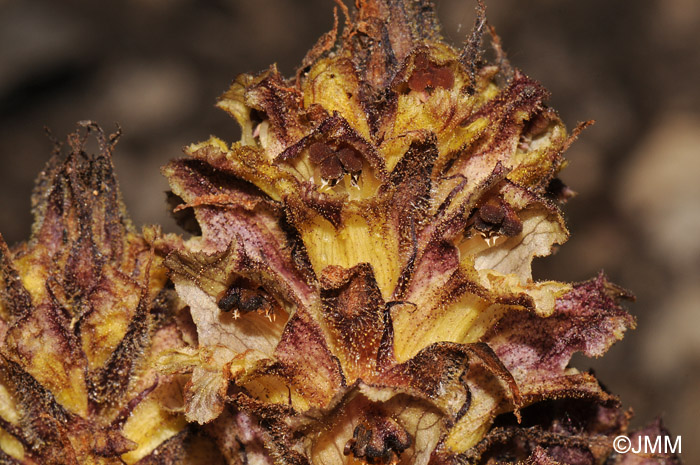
(332, 169)
(427, 75)
(350, 159)
(496, 217)
(335, 162)
(379, 440)
(319, 151)
(242, 300)
(511, 225)
(492, 212)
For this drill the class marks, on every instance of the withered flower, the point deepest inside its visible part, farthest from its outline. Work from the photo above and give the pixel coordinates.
(380, 214)
(358, 289)
(84, 312)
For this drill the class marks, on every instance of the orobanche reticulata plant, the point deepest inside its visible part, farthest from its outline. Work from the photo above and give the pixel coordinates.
(357, 289)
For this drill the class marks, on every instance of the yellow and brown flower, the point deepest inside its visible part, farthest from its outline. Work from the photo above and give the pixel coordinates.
(84, 312)
(361, 286)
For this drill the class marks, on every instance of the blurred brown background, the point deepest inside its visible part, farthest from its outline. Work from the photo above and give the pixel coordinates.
(157, 66)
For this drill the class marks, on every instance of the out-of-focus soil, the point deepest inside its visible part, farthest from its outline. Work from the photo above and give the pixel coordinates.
(157, 66)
